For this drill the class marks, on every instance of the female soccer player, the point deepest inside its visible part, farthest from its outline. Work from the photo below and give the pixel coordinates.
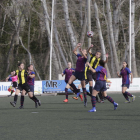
(9, 79)
(12, 78)
(124, 73)
(68, 73)
(94, 62)
(30, 81)
(100, 85)
(22, 85)
(79, 73)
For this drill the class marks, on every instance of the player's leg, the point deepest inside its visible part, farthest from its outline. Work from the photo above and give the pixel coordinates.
(30, 90)
(126, 94)
(72, 78)
(93, 100)
(16, 96)
(22, 99)
(84, 92)
(110, 100)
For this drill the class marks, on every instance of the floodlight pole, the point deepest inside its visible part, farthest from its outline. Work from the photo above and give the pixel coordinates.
(130, 33)
(51, 40)
(89, 21)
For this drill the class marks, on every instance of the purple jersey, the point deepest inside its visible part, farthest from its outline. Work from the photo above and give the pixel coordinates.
(68, 73)
(31, 81)
(80, 64)
(101, 73)
(125, 75)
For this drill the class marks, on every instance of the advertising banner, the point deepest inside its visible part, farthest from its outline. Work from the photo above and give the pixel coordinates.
(4, 86)
(58, 86)
(38, 87)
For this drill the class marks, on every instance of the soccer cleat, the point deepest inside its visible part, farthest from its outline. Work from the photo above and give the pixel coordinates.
(115, 105)
(128, 101)
(21, 107)
(133, 98)
(76, 98)
(101, 101)
(66, 100)
(85, 102)
(9, 95)
(81, 97)
(13, 104)
(39, 102)
(93, 109)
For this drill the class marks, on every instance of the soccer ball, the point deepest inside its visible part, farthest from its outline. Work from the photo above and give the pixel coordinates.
(90, 34)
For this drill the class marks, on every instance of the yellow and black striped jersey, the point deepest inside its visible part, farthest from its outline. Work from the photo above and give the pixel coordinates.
(94, 62)
(22, 76)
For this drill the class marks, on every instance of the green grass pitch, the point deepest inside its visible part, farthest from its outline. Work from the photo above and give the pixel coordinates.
(56, 120)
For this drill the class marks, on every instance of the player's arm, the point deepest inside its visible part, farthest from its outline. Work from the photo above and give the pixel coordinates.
(32, 75)
(118, 74)
(93, 70)
(89, 49)
(63, 73)
(82, 52)
(73, 70)
(7, 78)
(75, 50)
(131, 77)
(106, 58)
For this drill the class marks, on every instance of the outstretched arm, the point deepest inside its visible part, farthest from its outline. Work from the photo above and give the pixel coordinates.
(93, 70)
(89, 49)
(82, 52)
(75, 50)
(106, 58)
(131, 77)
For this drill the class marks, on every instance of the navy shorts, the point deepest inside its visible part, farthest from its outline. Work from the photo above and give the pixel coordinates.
(100, 85)
(79, 75)
(31, 88)
(126, 85)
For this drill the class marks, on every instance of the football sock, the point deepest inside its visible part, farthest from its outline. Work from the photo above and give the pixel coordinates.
(128, 94)
(93, 101)
(125, 96)
(74, 88)
(34, 98)
(12, 92)
(21, 100)
(66, 91)
(109, 99)
(15, 98)
(91, 89)
(85, 93)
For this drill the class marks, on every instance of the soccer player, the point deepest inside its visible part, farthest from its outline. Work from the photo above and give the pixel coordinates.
(68, 73)
(22, 85)
(79, 73)
(100, 85)
(124, 73)
(94, 62)
(13, 79)
(30, 81)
